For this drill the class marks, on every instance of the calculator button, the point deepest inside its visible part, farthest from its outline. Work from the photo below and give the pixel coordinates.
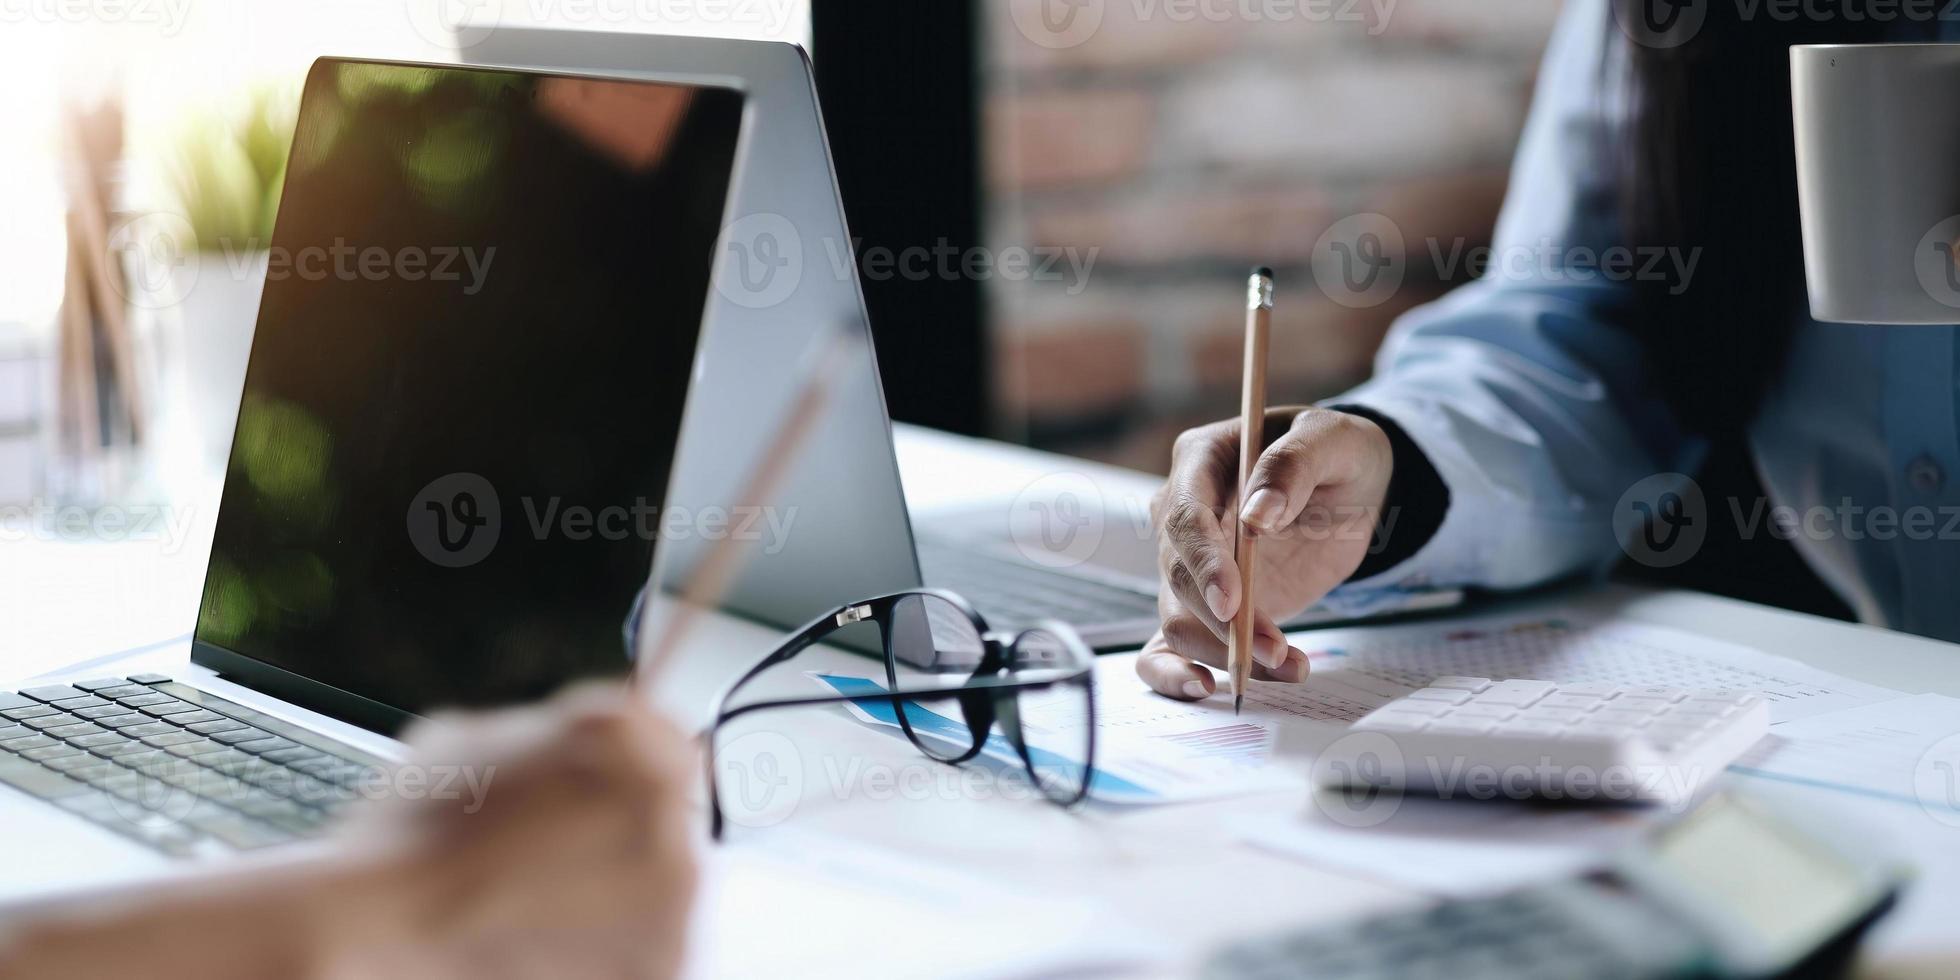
(1577, 701)
(1718, 694)
(1605, 692)
(1416, 707)
(1471, 684)
(1622, 716)
(1664, 695)
(1515, 692)
(1702, 710)
(1560, 716)
(1442, 694)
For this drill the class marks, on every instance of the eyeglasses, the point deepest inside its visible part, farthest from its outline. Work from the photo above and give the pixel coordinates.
(950, 681)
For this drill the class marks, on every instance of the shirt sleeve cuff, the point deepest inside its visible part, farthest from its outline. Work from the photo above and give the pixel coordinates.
(1415, 504)
(1431, 539)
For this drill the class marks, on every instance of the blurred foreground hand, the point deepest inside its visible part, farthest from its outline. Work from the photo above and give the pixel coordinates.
(570, 857)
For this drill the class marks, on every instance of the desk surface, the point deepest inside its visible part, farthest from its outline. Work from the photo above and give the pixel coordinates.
(1174, 862)
(1169, 872)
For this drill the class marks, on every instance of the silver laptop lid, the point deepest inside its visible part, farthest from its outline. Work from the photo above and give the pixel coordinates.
(785, 274)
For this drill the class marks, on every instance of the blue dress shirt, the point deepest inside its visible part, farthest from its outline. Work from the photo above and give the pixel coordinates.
(1526, 396)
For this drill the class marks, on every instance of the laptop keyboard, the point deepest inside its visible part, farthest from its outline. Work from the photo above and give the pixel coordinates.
(1013, 595)
(172, 766)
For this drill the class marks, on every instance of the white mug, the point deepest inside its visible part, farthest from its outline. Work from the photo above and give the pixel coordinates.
(1878, 179)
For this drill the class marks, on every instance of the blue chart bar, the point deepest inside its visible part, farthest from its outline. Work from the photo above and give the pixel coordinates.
(931, 723)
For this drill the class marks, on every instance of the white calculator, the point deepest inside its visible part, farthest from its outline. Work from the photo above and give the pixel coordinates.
(1477, 738)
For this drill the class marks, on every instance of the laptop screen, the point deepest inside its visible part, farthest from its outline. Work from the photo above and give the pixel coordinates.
(481, 308)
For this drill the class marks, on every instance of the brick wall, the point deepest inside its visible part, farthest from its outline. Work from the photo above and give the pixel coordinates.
(1144, 154)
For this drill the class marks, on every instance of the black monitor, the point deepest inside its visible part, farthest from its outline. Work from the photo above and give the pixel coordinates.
(480, 318)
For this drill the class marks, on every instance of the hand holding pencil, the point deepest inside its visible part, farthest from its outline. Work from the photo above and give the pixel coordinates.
(1295, 501)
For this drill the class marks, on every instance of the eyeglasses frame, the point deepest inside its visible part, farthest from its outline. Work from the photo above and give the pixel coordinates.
(982, 705)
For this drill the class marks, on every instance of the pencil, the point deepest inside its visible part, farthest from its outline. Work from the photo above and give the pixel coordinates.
(708, 582)
(1252, 426)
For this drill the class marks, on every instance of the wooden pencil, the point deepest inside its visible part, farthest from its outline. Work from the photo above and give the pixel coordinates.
(708, 582)
(1252, 422)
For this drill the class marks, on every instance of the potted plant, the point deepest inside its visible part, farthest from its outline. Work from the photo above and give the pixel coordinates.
(222, 171)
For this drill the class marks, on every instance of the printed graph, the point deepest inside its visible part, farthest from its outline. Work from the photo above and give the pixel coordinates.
(1237, 741)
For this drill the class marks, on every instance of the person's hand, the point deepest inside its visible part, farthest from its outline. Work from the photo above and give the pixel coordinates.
(573, 860)
(543, 841)
(1313, 502)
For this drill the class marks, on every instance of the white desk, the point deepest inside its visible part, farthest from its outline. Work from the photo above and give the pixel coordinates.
(1170, 872)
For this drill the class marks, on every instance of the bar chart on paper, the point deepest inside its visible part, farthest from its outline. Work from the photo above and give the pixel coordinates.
(1149, 749)
(1187, 750)
(1239, 741)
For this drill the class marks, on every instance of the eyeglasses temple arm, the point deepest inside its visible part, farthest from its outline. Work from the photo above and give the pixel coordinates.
(808, 637)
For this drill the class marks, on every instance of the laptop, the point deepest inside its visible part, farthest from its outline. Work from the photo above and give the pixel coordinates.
(783, 276)
(509, 344)
(457, 430)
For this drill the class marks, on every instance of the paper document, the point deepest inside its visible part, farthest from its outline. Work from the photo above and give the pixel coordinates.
(1906, 750)
(1375, 665)
(1449, 847)
(1149, 749)
(790, 903)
